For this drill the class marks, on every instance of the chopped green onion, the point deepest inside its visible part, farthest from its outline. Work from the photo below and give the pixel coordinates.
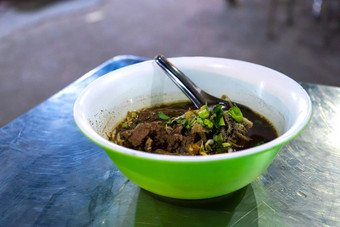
(133, 114)
(191, 122)
(218, 116)
(221, 123)
(208, 123)
(226, 144)
(236, 113)
(182, 121)
(125, 125)
(200, 121)
(161, 115)
(218, 138)
(218, 109)
(204, 113)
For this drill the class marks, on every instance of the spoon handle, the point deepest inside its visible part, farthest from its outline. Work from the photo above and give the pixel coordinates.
(183, 82)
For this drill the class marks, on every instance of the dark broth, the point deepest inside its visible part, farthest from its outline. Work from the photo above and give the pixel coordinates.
(261, 132)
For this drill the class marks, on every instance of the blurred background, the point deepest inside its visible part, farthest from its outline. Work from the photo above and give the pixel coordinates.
(47, 44)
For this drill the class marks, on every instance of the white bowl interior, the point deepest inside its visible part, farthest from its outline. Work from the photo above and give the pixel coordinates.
(105, 102)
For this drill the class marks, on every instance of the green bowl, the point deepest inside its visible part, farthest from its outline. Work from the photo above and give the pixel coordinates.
(105, 102)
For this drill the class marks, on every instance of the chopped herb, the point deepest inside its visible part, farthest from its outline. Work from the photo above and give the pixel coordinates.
(226, 144)
(191, 123)
(218, 116)
(204, 113)
(186, 123)
(218, 138)
(133, 114)
(161, 115)
(221, 123)
(125, 125)
(218, 110)
(200, 121)
(181, 121)
(208, 123)
(236, 113)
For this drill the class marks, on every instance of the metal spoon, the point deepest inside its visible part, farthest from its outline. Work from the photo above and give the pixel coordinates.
(194, 93)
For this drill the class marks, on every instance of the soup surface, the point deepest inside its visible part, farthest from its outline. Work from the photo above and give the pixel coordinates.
(179, 129)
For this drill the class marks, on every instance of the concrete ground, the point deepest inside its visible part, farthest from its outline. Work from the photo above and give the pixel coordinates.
(46, 46)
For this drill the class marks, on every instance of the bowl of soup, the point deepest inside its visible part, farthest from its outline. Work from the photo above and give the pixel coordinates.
(189, 164)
